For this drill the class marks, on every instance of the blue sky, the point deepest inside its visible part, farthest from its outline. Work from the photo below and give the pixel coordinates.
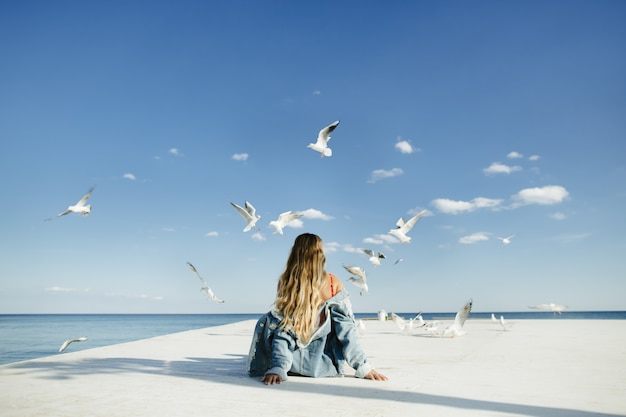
(499, 118)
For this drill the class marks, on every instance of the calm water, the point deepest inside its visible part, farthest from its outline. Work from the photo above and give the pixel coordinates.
(31, 336)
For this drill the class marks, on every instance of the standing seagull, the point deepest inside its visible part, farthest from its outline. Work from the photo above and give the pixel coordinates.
(79, 207)
(374, 257)
(283, 220)
(456, 329)
(205, 288)
(402, 227)
(248, 214)
(506, 240)
(323, 137)
(359, 279)
(503, 323)
(68, 341)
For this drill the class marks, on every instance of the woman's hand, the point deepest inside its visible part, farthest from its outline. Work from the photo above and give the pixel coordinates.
(375, 376)
(271, 379)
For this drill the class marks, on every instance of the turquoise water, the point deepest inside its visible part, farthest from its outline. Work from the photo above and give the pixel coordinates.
(30, 336)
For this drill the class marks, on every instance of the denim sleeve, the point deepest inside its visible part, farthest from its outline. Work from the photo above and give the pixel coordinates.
(282, 354)
(346, 331)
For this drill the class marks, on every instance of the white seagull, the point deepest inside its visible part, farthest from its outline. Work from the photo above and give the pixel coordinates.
(556, 308)
(79, 207)
(283, 220)
(205, 288)
(68, 341)
(248, 214)
(506, 240)
(402, 227)
(374, 257)
(456, 329)
(430, 327)
(405, 325)
(493, 318)
(323, 137)
(503, 323)
(359, 279)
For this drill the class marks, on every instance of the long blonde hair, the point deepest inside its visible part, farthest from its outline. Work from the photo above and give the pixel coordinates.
(299, 293)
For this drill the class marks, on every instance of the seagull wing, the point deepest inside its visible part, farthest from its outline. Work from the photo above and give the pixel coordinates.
(250, 209)
(462, 315)
(411, 222)
(84, 199)
(288, 216)
(58, 215)
(356, 271)
(244, 213)
(398, 320)
(368, 251)
(69, 341)
(324, 136)
(193, 268)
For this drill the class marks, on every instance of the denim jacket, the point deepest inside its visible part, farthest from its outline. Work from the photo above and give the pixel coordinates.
(335, 342)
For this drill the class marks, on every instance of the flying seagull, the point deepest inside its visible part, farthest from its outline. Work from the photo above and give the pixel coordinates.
(79, 207)
(402, 227)
(205, 287)
(556, 308)
(323, 137)
(68, 341)
(506, 240)
(374, 257)
(456, 328)
(359, 279)
(283, 220)
(248, 214)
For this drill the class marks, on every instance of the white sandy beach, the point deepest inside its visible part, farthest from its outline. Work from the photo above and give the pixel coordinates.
(573, 368)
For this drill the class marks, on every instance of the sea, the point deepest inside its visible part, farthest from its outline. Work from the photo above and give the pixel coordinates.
(31, 336)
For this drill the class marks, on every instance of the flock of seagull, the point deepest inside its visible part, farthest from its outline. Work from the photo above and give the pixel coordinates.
(435, 328)
(357, 274)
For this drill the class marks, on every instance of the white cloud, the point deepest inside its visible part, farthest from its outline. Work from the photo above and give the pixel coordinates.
(380, 174)
(317, 92)
(404, 146)
(175, 152)
(315, 214)
(534, 158)
(331, 247)
(240, 157)
(445, 205)
(211, 234)
(372, 241)
(474, 238)
(498, 168)
(129, 176)
(169, 229)
(548, 195)
(388, 238)
(558, 216)
(64, 289)
(514, 155)
(135, 296)
(572, 238)
(258, 236)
